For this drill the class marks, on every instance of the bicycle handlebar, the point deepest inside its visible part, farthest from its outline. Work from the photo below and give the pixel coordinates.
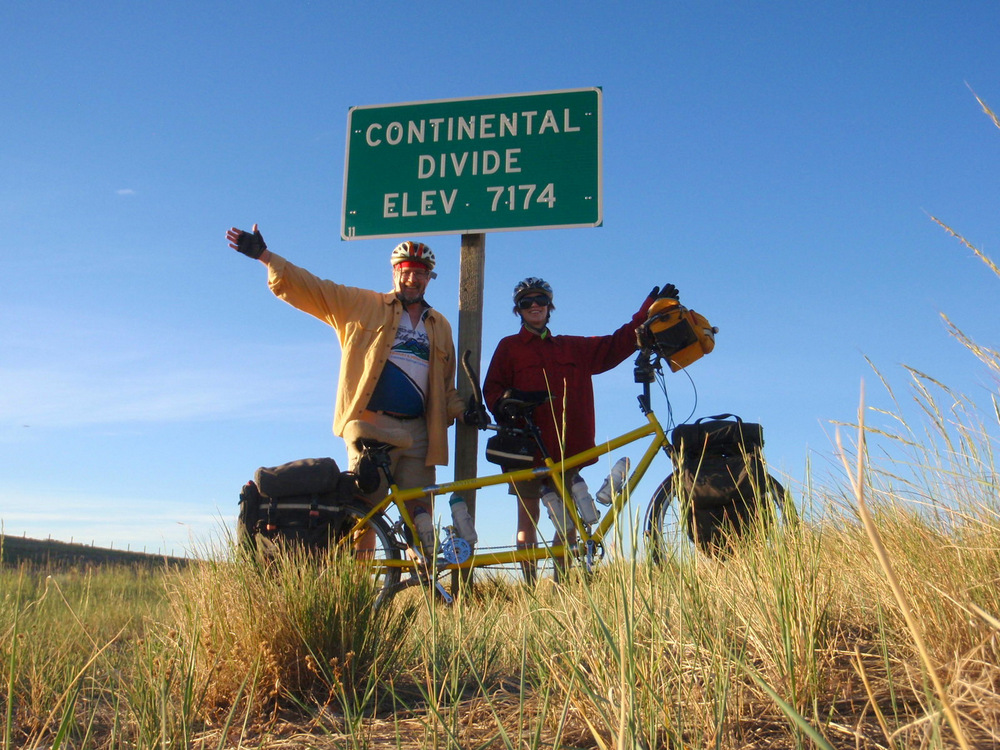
(473, 376)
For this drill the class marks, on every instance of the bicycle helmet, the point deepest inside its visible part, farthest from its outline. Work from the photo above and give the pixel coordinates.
(413, 252)
(532, 284)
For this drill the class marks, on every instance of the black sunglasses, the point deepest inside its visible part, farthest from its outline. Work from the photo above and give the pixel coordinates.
(526, 302)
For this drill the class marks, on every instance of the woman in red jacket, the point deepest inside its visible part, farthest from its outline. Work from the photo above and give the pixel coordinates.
(534, 359)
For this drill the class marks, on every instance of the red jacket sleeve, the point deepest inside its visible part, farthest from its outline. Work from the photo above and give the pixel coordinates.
(607, 352)
(499, 376)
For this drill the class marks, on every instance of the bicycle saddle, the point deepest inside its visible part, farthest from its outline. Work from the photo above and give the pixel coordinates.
(366, 435)
(515, 404)
(523, 400)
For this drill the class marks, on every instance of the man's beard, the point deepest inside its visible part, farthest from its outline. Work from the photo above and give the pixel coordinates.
(401, 295)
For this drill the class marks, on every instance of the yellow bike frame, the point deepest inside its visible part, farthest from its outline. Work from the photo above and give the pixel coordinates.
(553, 470)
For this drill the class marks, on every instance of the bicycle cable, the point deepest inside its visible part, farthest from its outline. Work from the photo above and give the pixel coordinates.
(662, 383)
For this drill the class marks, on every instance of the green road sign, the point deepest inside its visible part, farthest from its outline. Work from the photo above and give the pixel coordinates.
(521, 161)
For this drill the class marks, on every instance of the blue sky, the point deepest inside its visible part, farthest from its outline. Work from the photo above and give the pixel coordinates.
(779, 162)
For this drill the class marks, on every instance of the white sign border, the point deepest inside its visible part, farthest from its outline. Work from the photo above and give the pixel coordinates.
(600, 166)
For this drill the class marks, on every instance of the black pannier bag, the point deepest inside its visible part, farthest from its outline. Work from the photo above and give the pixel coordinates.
(723, 482)
(299, 502)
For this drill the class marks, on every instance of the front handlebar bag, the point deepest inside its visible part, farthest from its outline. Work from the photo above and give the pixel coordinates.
(511, 450)
(679, 335)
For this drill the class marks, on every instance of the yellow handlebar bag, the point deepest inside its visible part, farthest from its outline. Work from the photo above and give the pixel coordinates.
(679, 335)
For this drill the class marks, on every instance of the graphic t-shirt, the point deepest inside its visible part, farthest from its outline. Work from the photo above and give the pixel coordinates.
(402, 386)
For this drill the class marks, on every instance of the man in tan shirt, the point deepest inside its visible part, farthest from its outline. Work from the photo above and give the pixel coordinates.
(398, 365)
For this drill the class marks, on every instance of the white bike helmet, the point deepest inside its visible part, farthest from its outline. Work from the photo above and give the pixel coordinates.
(416, 252)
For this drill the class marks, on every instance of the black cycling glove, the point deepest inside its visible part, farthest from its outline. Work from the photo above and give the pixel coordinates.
(251, 244)
(669, 290)
(475, 415)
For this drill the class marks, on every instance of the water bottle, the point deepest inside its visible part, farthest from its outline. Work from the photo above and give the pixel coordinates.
(584, 502)
(462, 519)
(614, 483)
(425, 531)
(557, 511)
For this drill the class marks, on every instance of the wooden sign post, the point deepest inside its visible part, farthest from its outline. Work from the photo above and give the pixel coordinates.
(472, 265)
(470, 337)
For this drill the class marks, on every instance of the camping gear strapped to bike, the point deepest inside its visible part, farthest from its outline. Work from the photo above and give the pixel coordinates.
(717, 486)
(309, 502)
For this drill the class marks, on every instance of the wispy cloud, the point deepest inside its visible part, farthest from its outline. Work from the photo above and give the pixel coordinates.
(63, 395)
(101, 373)
(125, 191)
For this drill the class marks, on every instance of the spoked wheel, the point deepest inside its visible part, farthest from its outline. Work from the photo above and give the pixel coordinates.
(666, 533)
(375, 545)
(669, 528)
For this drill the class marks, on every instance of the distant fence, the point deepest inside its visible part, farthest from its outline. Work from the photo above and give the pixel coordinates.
(17, 550)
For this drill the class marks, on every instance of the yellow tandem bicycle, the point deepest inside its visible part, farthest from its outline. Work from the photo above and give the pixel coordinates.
(390, 547)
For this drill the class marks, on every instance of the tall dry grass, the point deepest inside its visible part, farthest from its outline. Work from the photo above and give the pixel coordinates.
(874, 622)
(807, 635)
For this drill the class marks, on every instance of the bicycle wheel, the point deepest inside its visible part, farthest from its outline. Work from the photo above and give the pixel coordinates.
(666, 531)
(374, 545)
